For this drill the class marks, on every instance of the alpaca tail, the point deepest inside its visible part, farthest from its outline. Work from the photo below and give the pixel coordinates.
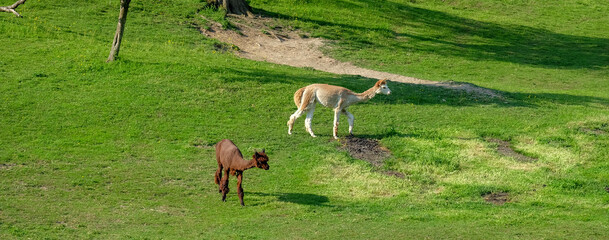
(303, 98)
(298, 96)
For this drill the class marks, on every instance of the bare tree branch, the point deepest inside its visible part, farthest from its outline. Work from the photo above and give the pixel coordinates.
(11, 8)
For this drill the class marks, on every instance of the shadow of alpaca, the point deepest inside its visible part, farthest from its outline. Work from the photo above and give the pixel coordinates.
(298, 198)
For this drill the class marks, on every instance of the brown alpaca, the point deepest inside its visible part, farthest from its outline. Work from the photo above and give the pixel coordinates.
(230, 159)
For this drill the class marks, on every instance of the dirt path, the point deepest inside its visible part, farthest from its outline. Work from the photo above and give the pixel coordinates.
(258, 42)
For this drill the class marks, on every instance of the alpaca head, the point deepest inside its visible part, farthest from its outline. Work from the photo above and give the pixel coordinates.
(382, 87)
(261, 160)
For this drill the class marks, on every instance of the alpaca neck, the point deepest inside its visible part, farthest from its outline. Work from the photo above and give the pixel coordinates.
(243, 164)
(367, 95)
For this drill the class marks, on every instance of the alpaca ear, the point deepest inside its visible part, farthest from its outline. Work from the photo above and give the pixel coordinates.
(380, 82)
(263, 150)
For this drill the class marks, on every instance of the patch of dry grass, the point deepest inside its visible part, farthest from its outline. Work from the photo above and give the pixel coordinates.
(356, 180)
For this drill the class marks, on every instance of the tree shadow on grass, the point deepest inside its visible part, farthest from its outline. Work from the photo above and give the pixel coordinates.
(298, 198)
(408, 93)
(402, 93)
(461, 37)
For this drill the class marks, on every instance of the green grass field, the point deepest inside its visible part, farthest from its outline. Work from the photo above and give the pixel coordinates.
(119, 150)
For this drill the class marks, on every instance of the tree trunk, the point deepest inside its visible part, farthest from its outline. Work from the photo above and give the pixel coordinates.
(11, 8)
(239, 7)
(118, 36)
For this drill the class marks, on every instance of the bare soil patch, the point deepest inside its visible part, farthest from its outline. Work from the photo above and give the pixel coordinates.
(255, 40)
(371, 151)
(7, 166)
(498, 198)
(202, 146)
(592, 131)
(367, 149)
(198, 143)
(394, 173)
(504, 148)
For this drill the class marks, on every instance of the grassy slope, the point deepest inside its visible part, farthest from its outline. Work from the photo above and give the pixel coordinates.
(89, 149)
(505, 45)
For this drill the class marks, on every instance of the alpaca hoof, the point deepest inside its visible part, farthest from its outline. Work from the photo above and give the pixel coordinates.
(313, 135)
(335, 137)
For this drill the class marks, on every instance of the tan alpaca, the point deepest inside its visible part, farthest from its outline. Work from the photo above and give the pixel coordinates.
(338, 98)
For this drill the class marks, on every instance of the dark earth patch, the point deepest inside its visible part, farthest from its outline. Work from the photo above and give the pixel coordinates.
(394, 173)
(198, 143)
(498, 198)
(592, 131)
(504, 148)
(202, 146)
(370, 151)
(6, 166)
(367, 149)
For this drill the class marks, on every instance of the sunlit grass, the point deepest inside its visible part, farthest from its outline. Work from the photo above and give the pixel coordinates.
(90, 149)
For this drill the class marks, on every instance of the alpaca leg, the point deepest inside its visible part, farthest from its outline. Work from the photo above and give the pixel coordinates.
(239, 188)
(336, 118)
(225, 185)
(293, 118)
(218, 178)
(309, 120)
(351, 119)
